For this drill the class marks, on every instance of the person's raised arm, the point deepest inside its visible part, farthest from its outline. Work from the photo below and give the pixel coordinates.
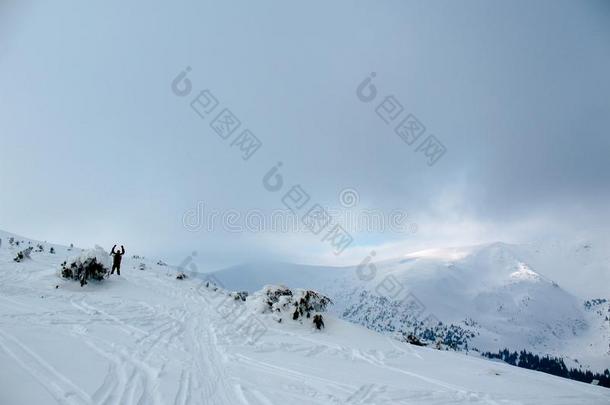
(122, 249)
(112, 251)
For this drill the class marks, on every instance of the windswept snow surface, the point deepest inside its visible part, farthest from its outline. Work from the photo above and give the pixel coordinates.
(147, 338)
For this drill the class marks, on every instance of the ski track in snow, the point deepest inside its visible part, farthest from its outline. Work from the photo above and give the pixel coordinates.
(160, 341)
(59, 386)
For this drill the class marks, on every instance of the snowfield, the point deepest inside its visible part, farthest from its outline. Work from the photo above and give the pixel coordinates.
(147, 338)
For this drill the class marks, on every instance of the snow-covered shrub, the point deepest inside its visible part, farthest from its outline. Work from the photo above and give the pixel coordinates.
(239, 295)
(24, 254)
(308, 302)
(181, 276)
(297, 304)
(161, 263)
(414, 340)
(52, 250)
(11, 241)
(210, 285)
(39, 248)
(90, 264)
(142, 266)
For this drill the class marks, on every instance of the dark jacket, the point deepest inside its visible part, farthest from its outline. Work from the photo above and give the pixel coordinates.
(117, 255)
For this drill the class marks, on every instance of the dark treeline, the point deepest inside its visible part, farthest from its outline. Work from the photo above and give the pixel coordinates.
(549, 365)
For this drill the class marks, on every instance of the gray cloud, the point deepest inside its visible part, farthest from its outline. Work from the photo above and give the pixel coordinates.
(96, 148)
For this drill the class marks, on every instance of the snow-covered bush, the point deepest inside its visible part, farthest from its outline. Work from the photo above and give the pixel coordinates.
(39, 248)
(161, 263)
(414, 340)
(142, 266)
(24, 254)
(52, 250)
(90, 264)
(239, 295)
(181, 276)
(297, 304)
(210, 285)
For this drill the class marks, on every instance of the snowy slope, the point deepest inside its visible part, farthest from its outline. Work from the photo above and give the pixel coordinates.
(147, 338)
(491, 294)
(582, 266)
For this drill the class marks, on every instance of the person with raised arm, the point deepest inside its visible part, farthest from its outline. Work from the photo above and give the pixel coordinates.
(116, 264)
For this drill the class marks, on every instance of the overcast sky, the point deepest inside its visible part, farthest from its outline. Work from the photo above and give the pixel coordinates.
(97, 148)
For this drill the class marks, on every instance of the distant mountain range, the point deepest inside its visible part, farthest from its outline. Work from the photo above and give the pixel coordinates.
(485, 298)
